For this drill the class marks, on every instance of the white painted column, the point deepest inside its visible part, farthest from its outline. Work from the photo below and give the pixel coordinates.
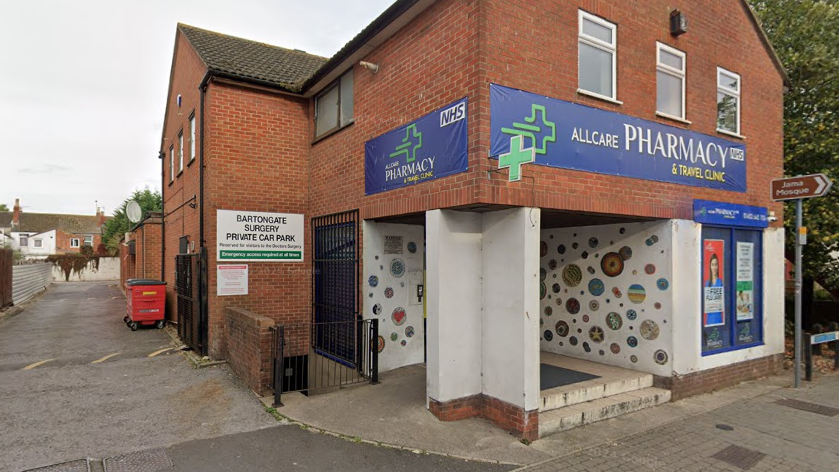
(511, 306)
(687, 295)
(453, 275)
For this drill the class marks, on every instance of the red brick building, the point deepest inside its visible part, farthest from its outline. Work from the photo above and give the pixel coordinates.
(141, 253)
(593, 145)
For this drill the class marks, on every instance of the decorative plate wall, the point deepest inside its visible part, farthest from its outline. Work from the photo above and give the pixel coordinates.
(611, 264)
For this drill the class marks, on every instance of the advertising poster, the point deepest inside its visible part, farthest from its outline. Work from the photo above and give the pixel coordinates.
(259, 236)
(713, 256)
(745, 281)
(232, 279)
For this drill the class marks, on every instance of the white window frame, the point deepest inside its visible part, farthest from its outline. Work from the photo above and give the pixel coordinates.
(180, 152)
(91, 240)
(24, 241)
(171, 163)
(39, 243)
(672, 71)
(192, 137)
(731, 92)
(74, 242)
(602, 45)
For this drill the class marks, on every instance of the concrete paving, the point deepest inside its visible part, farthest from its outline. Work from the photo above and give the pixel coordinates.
(70, 407)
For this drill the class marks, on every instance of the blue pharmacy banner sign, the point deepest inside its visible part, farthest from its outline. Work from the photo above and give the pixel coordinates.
(431, 147)
(729, 214)
(578, 137)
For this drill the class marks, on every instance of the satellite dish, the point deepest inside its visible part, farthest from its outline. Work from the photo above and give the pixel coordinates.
(133, 211)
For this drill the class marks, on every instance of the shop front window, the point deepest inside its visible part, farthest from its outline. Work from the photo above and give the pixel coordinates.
(732, 283)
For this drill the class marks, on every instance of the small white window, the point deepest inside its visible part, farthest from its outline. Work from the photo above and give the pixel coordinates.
(74, 242)
(180, 151)
(728, 101)
(24, 241)
(334, 107)
(598, 44)
(192, 137)
(171, 163)
(671, 66)
(38, 242)
(88, 240)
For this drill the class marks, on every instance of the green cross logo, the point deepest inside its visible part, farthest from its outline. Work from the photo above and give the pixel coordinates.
(516, 157)
(529, 129)
(407, 143)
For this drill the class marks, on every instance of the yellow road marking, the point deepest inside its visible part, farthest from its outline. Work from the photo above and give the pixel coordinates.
(36, 364)
(159, 352)
(98, 361)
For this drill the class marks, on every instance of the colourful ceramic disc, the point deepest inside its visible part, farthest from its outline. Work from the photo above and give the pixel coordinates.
(649, 330)
(394, 336)
(585, 318)
(543, 274)
(412, 247)
(409, 331)
(373, 280)
(596, 287)
(552, 264)
(549, 311)
(660, 357)
(398, 316)
(377, 309)
(614, 321)
(397, 268)
(572, 275)
(662, 284)
(596, 334)
(632, 341)
(593, 305)
(562, 328)
(543, 249)
(615, 348)
(649, 269)
(388, 292)
(625, 253)
(637, 293)
(573, 306)
(556, 288)
(592, 242)
(611, 264)
(543, 290)
(631, 315)
(548, 335)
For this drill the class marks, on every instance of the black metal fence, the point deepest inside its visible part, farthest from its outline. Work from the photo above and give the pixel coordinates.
(301, 363)
(188, 284)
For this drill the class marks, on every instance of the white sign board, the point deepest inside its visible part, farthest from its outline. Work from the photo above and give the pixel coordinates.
(232, 279)
(259, 236)
(745, 281)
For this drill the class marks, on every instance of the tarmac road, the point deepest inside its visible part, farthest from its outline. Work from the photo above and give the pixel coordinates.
(76, 383)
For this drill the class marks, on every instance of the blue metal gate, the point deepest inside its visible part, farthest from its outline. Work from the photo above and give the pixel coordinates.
(336, 280)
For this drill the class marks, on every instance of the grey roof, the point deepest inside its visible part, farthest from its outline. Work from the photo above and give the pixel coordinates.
(74, 224)
(5, 219)
(286, 68)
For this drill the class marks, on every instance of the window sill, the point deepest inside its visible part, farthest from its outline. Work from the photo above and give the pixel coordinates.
(729, 133)
(171, 182)
(334, 131)
(671, 117)
(180, 173)
(190, 162)
(598, 96)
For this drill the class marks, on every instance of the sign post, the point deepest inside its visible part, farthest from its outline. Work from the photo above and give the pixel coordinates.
(799, 188)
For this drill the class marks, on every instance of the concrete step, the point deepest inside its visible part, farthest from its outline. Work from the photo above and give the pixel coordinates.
(570, 417)
(624, 382)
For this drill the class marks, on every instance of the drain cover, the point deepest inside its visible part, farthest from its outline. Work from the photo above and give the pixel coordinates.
(739, 457)
(143, 461)
(81, 465)
(807, 406)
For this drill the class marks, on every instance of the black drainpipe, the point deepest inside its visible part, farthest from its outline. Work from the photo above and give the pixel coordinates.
(204, 315)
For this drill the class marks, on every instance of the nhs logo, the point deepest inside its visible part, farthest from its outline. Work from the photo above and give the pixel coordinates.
(452, 114)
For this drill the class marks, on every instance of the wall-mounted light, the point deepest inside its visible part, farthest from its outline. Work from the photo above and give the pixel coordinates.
(772, 218)
(678, 23)
(369, 66)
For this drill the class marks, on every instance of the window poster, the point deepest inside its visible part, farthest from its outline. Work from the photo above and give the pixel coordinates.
(745, 281)
(712, 282)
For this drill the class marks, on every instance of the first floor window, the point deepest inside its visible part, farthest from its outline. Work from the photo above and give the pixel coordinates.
(180, 151)
(334, 107)
(598, 42)
(192, 137)
(88, 240)
(670, 81)
(74, 242)
(172, 164)
(24, 241)
(728, 101)
(38, 242)
(732, 284)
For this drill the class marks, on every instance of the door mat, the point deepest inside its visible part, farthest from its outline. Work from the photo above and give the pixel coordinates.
(551, 376)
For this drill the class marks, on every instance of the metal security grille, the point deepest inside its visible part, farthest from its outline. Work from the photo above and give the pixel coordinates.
(187, 287)
(336, 276)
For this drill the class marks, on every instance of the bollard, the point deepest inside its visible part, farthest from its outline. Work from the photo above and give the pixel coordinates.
(836, 355)
(374, 346)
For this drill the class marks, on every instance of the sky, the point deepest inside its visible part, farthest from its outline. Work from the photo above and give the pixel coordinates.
(83, 85)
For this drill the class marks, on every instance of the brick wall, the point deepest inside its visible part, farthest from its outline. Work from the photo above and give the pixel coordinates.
(180, 187)
(247, 347)
(63, 243)
(256, 147)
(513, 419)
(682, 386)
